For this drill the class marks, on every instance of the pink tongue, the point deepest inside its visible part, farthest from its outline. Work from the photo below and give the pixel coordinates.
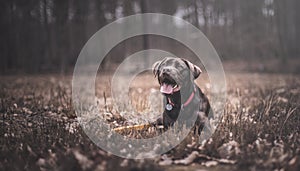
(165, 88)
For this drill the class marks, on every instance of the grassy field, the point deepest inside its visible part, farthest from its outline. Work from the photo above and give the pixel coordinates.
(259, 129)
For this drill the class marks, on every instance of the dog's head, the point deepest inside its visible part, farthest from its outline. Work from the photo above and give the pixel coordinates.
(175, 73)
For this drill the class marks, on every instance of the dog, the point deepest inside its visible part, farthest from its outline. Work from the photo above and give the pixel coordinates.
(182, 96)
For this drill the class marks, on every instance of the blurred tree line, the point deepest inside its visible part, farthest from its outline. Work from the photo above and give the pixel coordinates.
(47, 35)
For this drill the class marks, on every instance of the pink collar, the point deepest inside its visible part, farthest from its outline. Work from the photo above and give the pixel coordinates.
(188, 100)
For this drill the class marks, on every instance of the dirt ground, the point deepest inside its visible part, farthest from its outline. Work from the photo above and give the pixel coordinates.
(259, 128)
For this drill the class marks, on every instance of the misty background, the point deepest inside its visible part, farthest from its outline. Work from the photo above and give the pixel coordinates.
(46, 36)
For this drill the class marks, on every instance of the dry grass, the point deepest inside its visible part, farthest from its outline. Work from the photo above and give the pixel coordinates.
(259, 129)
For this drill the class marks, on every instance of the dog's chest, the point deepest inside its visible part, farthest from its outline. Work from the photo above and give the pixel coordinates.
(173, 109)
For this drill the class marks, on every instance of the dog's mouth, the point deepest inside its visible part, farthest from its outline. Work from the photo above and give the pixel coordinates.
(169, 86)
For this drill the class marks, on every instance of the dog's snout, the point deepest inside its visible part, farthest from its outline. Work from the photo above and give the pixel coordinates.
(164, 75)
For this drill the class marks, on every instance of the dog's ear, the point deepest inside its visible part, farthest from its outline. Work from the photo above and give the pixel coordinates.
(196, 71)
(155, 68)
